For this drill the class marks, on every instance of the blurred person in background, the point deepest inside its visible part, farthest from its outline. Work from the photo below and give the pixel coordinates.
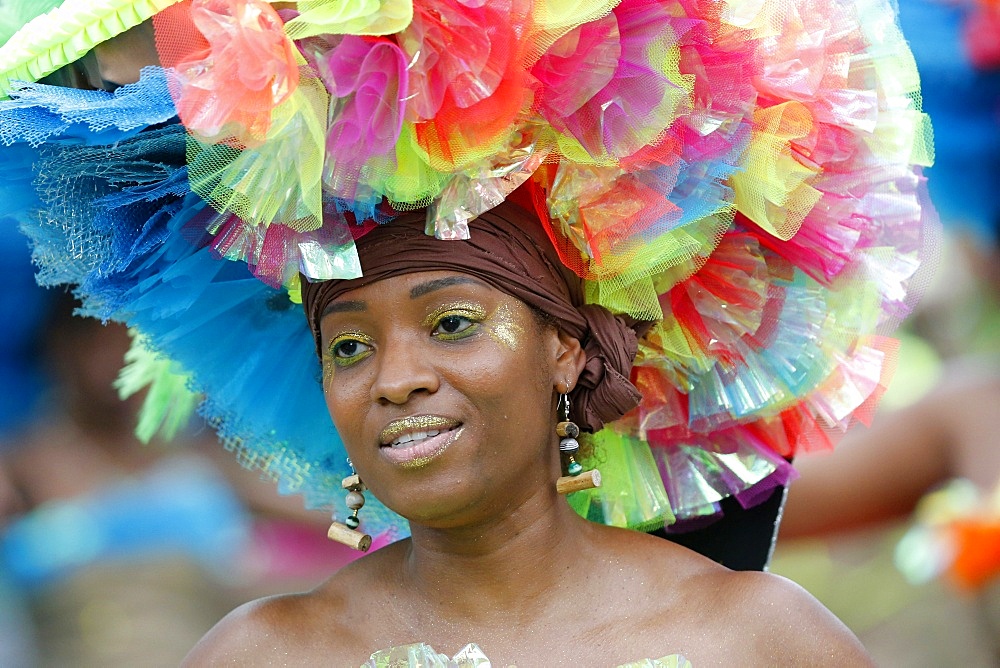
(20, 388)
(109, 547)
(942, 443)
(109, 542)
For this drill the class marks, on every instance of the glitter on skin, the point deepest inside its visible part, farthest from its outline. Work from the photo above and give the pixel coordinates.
(504, 329)
(329, 360)
(469, 310)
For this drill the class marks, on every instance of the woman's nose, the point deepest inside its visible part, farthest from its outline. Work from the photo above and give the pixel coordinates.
(405, 368)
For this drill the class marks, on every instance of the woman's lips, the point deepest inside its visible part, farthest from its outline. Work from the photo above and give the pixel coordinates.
(415, 441)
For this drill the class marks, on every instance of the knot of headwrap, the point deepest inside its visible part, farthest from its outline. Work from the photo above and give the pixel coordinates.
(604, 391)
(508, 250)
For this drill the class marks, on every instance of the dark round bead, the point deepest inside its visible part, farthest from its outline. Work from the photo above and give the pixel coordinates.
(569, 445)
(352, 522)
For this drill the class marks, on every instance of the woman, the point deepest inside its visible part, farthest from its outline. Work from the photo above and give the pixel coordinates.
(693, 220)
(496, 555)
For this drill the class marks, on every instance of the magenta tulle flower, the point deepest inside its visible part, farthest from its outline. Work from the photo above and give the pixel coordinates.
(368, 83)
(606, 82)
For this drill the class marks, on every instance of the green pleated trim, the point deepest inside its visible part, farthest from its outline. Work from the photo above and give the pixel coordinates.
(68, 32)
(15, 14)
(169, 403)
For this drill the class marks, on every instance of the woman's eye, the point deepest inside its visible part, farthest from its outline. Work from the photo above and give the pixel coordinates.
(348, 350)
(454, 326)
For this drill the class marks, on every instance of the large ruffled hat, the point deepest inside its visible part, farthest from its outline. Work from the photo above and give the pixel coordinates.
(744, 174)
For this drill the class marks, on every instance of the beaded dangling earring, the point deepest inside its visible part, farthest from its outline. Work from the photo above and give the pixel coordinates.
(574, 478)
(348, 533)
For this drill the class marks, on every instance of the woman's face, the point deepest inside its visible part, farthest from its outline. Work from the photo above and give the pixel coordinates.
(442, 389)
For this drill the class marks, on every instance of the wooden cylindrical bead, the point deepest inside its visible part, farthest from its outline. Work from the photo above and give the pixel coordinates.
(353, 483)
(574, 483)
(567, 430)
(353, 539)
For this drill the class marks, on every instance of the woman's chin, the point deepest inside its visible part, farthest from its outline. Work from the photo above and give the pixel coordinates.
(446, 505)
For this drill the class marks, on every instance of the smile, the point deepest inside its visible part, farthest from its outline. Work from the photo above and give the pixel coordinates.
(404, 440)
(415, 441)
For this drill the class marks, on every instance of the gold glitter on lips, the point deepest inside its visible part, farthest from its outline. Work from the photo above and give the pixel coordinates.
(423, 461)
(504, 329)
(397, 428)
(416, 463)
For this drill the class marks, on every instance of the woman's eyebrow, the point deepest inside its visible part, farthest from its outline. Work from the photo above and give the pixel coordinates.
(343, 307)
(438, 283)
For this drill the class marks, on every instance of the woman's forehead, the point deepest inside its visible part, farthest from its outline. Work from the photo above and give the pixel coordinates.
(413, 285)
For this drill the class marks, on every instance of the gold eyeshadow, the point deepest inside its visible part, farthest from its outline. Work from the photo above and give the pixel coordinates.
(330, 358)
(470, 310)
(502, 327)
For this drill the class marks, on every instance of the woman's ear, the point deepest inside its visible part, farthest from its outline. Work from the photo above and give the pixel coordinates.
(569, 362)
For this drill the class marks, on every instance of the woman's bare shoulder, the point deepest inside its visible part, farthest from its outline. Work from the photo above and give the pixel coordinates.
(765, 618)
(778, 621)
(288, 629)
(295, 629)
(277, 630)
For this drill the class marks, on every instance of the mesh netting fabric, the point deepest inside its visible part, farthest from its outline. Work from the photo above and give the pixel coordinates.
(37, 112)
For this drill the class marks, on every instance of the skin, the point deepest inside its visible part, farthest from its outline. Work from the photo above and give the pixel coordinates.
(496, 556)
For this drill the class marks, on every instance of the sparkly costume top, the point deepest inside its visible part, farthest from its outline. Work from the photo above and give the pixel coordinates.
(420, 655)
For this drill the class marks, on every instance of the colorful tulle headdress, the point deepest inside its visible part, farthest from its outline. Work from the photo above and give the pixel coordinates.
(747, 175)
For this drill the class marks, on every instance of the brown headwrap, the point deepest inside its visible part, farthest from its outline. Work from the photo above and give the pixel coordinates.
(509, 251)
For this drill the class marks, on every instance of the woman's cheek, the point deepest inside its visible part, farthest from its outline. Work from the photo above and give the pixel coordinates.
(342, 403)
(505, 329)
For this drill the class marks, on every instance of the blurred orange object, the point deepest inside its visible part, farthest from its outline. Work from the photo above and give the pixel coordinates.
(977, 555)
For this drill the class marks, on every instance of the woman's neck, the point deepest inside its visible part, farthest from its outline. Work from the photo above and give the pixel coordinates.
(500, 567)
